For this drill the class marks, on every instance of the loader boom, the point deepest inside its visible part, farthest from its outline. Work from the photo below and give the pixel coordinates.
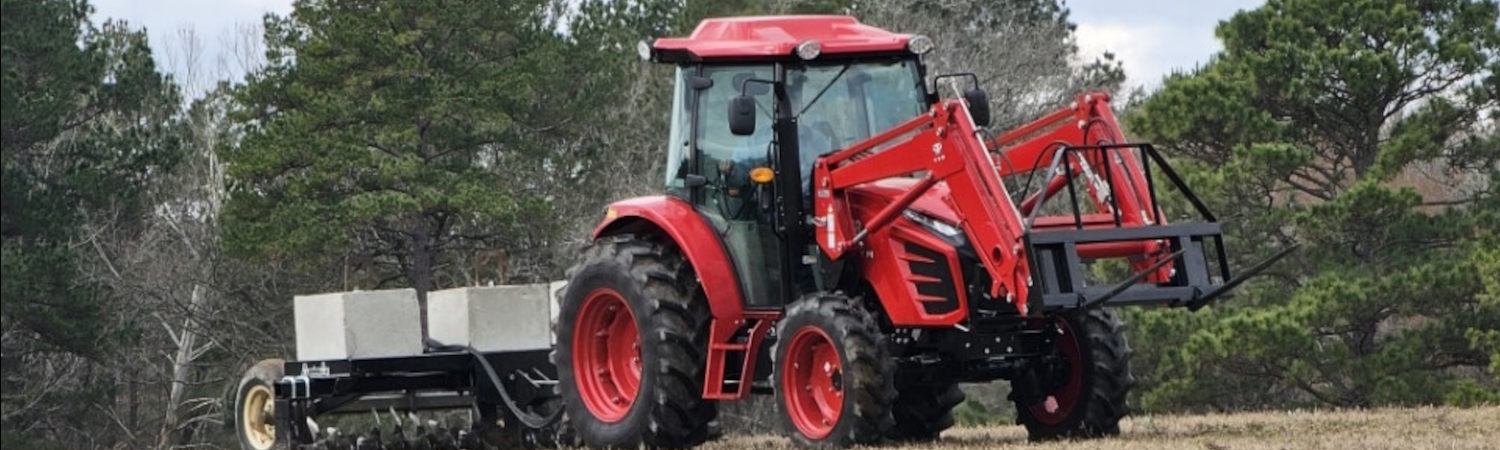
(1115, 179)
(944, 146)
(1087, 121)
(1019, 247)
(945, 149)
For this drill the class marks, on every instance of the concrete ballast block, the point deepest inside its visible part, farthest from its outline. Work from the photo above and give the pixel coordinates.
(493, 318)
(360, 324)
(554, 294)
(554, 302)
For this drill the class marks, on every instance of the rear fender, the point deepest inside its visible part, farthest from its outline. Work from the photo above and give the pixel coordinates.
(676, 219)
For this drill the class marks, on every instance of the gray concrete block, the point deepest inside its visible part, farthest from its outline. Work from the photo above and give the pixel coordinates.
(359, 324)
(554, 295)
(493, 318)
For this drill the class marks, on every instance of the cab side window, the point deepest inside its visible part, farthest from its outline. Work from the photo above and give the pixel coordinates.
(677, 140)
(718, 149)
(725, 159)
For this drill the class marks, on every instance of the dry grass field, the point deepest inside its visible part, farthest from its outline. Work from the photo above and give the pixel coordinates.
(1408, 428)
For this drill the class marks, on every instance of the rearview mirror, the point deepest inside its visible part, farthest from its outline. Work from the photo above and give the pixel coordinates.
(742, 115)
(979, 106)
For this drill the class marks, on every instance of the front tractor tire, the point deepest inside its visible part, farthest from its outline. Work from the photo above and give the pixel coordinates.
(833, 376)
(1088, 398)
(630, 347)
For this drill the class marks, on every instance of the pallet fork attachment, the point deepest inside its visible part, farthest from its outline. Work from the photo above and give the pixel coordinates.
(1259, 267)
(1180, 278)
(1128, 282)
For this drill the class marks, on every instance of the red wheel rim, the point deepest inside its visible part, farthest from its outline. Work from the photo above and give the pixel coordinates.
(813, 382)
(606, 355)
(1065, 397)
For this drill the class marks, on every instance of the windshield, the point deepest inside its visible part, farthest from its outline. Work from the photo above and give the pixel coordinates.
(837, 104)
(841, 104)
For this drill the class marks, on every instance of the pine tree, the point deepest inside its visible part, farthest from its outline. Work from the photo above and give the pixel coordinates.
(1366, 130)
(87, 122)
(393, 136)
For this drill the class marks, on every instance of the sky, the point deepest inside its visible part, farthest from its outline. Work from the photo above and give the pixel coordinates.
(1151, 37)
(213, 21)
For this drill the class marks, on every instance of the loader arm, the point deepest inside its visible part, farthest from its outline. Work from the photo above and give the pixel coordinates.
(941, 146)
(1114, 178)
(1087, 121)
(1037, 260)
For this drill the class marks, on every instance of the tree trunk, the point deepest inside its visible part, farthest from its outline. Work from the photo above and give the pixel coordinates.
(133, 389)
(421, 267)
(182, 363)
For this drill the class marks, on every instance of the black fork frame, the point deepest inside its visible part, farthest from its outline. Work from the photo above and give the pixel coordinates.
(1057, 274)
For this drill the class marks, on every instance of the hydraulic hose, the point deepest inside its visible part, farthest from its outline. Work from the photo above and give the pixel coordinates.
(532, 421)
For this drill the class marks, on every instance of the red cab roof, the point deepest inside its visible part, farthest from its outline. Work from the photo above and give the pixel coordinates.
(777, 36)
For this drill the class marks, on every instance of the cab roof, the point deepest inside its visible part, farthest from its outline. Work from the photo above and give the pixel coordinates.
(766, 37)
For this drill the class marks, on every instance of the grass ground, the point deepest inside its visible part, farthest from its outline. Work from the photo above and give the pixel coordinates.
(1405, 428)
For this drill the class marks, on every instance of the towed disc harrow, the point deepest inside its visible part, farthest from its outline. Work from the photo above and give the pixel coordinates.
(412, 433)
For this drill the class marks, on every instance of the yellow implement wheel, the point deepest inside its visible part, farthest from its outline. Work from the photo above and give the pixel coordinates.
(260, 417)
(255, 406)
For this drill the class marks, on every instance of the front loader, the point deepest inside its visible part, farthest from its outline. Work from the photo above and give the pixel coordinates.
(838, 233)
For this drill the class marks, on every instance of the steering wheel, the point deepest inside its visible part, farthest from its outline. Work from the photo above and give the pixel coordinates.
(728, 178)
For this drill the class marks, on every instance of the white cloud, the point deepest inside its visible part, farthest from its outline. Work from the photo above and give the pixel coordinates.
(1152, 37)
(1139, 48)
(214, 22)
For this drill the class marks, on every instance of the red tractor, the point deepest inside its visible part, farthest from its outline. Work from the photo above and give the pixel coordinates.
(837, 232)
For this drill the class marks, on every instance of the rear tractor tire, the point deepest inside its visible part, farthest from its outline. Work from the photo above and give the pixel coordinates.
(1091, 400)
(255, 406)
(630, 346)
(833, 376)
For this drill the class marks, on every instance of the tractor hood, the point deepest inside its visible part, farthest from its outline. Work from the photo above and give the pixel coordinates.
(870, 197)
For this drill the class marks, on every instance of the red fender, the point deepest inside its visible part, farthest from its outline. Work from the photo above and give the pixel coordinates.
(693, 235)
(700, 244)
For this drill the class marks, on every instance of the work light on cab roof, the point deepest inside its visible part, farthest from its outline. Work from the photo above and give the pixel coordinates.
(769, 38)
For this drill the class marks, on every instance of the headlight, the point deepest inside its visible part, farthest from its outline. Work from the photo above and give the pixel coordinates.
(938, 226)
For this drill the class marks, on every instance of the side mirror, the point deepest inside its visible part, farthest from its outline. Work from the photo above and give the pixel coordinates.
(742, 115)
(979, 106)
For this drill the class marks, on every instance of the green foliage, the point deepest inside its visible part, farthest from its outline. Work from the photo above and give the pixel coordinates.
(87, 122)
(1363, 130)
(398, 133)
(1469, 393)
(1487, 266)
(985, 404)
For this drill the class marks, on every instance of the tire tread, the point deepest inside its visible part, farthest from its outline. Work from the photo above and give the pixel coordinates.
(1107, 384)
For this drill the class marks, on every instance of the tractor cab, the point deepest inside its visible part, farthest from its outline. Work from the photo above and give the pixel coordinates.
(751, 116)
